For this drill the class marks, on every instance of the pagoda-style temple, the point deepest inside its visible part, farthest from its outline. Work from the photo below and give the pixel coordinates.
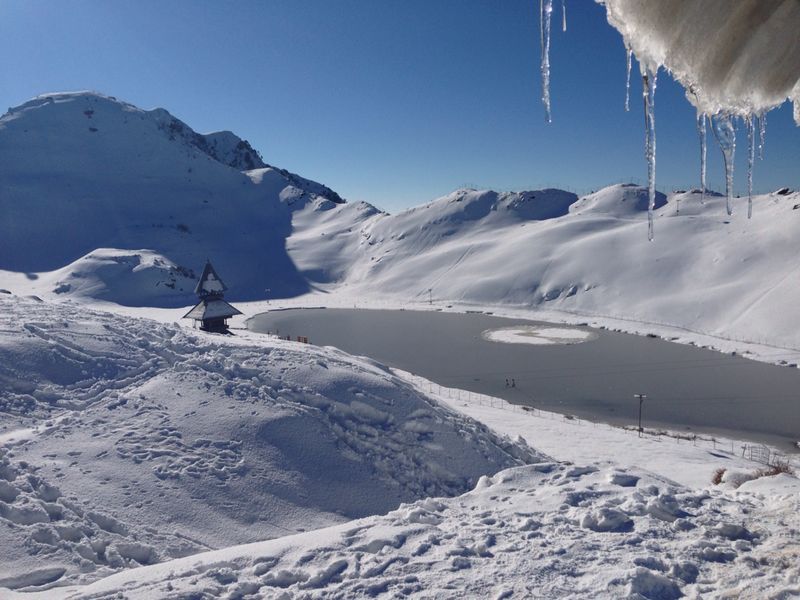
(212, 311)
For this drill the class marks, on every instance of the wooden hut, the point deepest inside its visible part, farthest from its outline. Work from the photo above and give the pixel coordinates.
(211, 311)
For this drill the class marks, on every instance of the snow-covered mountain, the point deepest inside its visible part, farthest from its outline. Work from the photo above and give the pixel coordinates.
(105, 201)
(126, 204)
(549, 249)
(125, 442)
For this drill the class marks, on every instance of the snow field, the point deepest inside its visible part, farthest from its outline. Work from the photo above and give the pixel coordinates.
(541, 530)
(131, 451)
(127, 442)
(687, 460)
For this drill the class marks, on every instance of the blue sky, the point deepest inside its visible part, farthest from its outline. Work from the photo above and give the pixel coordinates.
(390, 101)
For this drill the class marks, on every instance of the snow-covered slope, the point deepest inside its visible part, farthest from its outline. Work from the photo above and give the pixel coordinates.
(706, 271)
(546, 530)
(125, 442)
(135, 457)
(104, 201)
(83, 172)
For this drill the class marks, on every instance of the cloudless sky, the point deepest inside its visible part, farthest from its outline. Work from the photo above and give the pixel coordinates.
(390, 101)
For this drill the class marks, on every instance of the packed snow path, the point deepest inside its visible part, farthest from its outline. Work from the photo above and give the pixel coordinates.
(124, 442)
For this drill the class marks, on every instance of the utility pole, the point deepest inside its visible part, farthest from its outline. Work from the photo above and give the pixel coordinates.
(641, 398)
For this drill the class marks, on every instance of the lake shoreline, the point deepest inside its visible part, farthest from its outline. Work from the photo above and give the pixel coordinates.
(597, 391)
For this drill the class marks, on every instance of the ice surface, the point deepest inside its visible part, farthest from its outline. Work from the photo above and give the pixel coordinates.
(538, 335)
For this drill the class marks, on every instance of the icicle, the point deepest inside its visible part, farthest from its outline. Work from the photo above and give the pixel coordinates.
(762, 134)
(545, 12)
(751, 154)
(701, 131)
(649, 96)
(563, 15)
(628, 81)
(725, 132)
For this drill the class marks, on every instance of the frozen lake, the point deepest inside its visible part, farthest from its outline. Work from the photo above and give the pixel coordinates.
(585, 372)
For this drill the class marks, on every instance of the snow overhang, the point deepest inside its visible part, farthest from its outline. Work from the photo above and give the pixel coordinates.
(739, 57)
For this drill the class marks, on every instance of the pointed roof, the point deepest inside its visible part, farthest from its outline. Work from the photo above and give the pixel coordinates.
(210, 284)
(211, 308)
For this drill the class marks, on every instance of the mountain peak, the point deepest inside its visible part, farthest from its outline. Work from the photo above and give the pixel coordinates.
(222, 146)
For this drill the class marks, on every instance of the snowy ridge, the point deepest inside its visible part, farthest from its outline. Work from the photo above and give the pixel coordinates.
(705, 271)
(125, 442)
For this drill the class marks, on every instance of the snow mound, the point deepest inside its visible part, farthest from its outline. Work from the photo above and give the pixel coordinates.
(620, 201)
(126, 277)
(544, 530)
(127, 442)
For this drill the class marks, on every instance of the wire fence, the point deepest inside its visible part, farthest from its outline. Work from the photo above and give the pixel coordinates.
(756, 453)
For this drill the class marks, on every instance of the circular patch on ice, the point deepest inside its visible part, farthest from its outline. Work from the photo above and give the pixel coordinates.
(540, 335)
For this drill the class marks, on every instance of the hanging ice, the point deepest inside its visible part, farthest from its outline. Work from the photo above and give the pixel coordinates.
(628, 81)
(751, 154)
(725, 132)
(545, 12)
(563, 15)
(649, 95)
(732, 63)
(701, 131)
(762, 134)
